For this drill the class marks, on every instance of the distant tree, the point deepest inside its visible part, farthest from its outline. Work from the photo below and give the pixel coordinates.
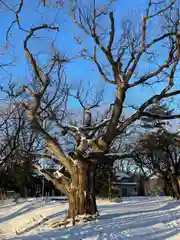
(105, 179)
(17, 140)
(160, 153)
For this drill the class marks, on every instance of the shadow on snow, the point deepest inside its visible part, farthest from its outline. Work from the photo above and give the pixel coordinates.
(119, 224)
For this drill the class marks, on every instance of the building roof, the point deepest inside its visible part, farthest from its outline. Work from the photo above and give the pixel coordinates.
(121, 175)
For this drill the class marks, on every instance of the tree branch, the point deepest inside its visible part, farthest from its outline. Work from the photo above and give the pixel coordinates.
(101, 71)
(112, 32)
(156, 72)
(161, 117)
(62, 183)
(29, 54)
(52, 145)
(119, 156)
(44, 155)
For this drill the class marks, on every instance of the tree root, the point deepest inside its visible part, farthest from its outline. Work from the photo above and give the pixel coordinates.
(59, 223)
(69, 221)
(87, 218)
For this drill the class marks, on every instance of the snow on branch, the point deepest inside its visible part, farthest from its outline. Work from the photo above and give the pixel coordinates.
(119, 156)
(161, 117)
(61, 183)
(97, 126)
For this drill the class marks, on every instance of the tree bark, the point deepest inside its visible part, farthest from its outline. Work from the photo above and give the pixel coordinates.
(175, 185)
(90, 201)
(168, 187)
(82, 200)
(79, 188)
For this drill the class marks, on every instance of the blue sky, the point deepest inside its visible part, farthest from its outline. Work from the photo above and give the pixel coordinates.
(77, 70)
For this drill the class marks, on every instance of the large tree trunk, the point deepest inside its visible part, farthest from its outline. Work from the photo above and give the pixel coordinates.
(175, 185)
(168, 187)
(82, 198)
(79, 187)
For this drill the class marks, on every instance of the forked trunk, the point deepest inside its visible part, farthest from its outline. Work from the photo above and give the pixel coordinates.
(82, 198)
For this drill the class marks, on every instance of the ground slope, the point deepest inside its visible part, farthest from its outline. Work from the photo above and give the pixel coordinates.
(156, 218)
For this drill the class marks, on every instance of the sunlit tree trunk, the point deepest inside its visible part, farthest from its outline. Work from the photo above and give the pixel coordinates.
(81, 196)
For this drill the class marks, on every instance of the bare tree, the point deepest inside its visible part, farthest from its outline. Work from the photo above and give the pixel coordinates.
(159, 152)
(124, 56)
(17, 140)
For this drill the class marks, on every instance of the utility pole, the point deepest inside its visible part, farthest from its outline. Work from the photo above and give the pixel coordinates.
(43, 168)
(43, 189)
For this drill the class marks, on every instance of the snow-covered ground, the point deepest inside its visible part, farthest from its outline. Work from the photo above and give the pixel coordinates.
(146, 218)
